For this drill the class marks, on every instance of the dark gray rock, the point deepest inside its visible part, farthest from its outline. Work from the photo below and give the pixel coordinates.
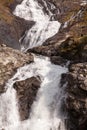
(26, 94)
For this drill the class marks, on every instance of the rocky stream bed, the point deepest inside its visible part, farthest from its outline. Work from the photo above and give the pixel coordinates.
(67, 47)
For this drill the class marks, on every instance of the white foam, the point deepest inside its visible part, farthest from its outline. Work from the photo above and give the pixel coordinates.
(43, 29)
(45, 110)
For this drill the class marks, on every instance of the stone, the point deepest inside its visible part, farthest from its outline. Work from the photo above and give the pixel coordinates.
(26, 94)
(58, 60)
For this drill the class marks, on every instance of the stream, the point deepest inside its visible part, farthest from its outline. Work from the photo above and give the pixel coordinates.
(45, 113)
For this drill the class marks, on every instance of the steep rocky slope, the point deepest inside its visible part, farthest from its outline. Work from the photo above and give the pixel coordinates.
(26, 93)
(75, 103)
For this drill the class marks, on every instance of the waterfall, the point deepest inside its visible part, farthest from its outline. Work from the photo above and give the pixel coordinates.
(44, 27)
(45, 110)
(45, 113)
(8, 107)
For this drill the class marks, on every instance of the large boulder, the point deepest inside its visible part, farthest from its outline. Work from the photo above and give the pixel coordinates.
(10, 60)
(75, 102)
(26, 93)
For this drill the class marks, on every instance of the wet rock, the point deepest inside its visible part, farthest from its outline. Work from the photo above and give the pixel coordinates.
(58, 60)
(10, 60)
(26, 93)
(76, 96)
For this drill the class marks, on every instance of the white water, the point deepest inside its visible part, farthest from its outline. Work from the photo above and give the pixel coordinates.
(43, 29)
(45, 114)
(45, 110)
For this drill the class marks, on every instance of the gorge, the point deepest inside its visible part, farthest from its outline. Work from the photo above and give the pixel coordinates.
(43, 83)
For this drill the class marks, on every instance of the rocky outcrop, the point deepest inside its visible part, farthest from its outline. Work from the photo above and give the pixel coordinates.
(75, 103)
(74, 49)
(10, 60)
(26, 93)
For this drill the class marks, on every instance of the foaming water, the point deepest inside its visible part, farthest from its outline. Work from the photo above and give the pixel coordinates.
(45, 113)
(44, 27)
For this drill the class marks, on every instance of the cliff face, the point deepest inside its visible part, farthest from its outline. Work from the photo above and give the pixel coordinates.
(75, 103)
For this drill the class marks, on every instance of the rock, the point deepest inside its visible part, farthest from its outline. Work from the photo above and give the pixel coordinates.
(26, 93)
(76, 96)
(70, 49)
(14, 4)
(74, 49)
(10, 60)
(44, 50)
(58, 60)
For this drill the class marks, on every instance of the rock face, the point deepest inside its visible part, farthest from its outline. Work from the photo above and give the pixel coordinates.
(10, 60)
(26, 93)
(76, 96)
(74, 49)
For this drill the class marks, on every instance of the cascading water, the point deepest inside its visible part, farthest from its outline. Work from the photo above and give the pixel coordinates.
(44, 27)
(45, 114)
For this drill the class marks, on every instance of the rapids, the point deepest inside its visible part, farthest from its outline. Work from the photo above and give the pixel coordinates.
(45, 113)
(44, 27)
